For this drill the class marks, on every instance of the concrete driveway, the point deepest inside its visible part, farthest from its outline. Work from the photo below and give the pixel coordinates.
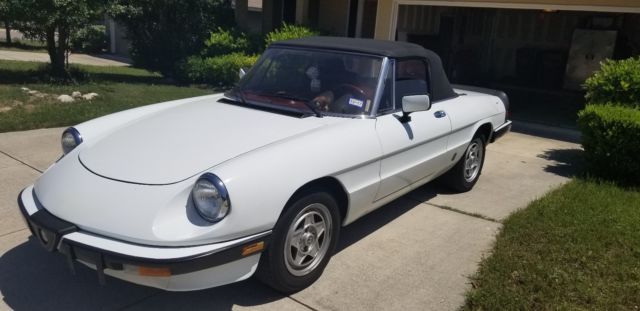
(413, 254)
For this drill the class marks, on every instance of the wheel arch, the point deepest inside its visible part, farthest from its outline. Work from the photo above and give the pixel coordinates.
(486, 130)
(332, 185)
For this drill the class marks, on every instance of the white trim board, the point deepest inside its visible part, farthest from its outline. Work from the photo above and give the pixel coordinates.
(501, 5)
(523, 6)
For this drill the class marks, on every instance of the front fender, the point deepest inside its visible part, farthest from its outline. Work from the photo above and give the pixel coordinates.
(261, 182)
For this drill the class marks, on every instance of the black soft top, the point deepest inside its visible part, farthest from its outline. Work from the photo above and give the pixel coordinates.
(440, 86)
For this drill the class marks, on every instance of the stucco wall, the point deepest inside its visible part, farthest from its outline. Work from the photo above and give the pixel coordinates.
(334, 16)
(384, 18)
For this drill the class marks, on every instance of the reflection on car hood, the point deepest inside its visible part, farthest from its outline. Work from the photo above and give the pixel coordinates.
(174, 144)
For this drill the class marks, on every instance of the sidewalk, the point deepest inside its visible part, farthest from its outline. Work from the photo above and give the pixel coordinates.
(74, 58)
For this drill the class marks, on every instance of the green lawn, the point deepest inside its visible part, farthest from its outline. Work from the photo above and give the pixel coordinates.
(119, 88)
(576, 248)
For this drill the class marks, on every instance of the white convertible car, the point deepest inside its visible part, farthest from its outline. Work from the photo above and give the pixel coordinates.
(206, 191)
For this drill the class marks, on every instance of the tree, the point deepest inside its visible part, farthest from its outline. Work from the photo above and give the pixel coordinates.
(163, 32)
(7, 15)
(54, 21)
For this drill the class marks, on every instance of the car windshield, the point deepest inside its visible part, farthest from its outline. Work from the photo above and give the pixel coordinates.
(312, 81)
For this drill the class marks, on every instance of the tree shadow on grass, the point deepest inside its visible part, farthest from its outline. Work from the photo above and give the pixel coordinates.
(8, 76)
(18, 44)
(123, 78)
(41, 74)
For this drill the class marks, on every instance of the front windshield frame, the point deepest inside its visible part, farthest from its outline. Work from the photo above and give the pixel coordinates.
(237, 92)
(384, 71)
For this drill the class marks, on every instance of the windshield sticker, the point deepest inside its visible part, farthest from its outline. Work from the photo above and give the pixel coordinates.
(312, 74)
(315, 85)
(356, 102)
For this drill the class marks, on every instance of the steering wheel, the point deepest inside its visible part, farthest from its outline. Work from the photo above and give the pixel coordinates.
(346, 88)
(349, 99)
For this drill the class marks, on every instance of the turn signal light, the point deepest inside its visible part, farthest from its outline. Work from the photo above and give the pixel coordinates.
(153, 271)
(252, 248)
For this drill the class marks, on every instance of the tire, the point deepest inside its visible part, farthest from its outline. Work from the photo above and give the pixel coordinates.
(464, 175)
(298, 251)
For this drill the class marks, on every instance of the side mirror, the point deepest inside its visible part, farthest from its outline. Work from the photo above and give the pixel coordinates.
(413, 103)
(242, 72)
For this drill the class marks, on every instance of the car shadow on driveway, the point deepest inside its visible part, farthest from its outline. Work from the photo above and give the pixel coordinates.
(384, 215)
(33, 279)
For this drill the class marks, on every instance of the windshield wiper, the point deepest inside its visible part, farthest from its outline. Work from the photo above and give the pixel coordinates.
(307, 102)
(237, 94)
(313, 108)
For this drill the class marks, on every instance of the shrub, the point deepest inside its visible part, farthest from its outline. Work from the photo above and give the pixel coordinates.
(90, 39)
(223, 42)
(163, 32)
(190, 70)
(616, 82)
(287, 32)
(219, 70)
(610, 137)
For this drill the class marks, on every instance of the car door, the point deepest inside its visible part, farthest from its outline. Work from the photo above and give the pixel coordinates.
(413, 151)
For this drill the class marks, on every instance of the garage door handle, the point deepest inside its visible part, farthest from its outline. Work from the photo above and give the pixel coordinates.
(440, 114)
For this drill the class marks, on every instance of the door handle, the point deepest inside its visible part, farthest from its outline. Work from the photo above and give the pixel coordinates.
(440, 114)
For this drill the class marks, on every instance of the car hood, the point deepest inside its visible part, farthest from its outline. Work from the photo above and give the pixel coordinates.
(179, 142)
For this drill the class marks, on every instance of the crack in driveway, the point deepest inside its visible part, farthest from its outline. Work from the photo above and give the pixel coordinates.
(455, 210)
(22, 162)
(474, 215)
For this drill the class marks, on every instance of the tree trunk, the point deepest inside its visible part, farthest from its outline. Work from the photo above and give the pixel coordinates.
(57, 59)
(51, 43)
(7, 28)
(63, 45)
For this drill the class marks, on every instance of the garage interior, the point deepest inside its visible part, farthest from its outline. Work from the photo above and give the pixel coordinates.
(539, 57)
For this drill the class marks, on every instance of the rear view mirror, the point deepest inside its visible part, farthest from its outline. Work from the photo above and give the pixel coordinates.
(414, 103)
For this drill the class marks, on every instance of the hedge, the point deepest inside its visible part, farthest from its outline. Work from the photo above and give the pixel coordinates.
(220, 70)
(611, 140)
(617, 81)
(287, 32)
(218, 64)
(224, 42)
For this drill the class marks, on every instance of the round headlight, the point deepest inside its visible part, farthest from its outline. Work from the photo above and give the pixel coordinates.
(210, 198)
(71, 138)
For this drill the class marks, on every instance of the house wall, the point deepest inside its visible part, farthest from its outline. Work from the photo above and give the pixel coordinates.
(334, 16)
(631, 26)
(118, 42)
(387, 9)
(368, 26)
(122, 43)
(253, 24)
